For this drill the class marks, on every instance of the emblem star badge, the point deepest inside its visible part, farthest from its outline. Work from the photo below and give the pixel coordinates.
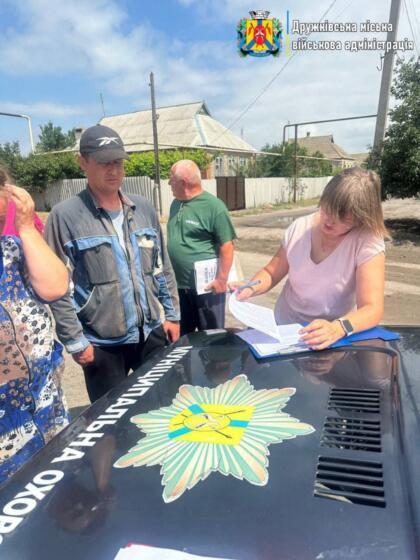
(226, 429)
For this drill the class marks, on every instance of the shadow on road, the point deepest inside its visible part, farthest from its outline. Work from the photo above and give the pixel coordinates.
(403, 230)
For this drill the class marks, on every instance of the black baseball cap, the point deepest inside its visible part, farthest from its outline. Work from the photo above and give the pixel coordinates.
(102, 143)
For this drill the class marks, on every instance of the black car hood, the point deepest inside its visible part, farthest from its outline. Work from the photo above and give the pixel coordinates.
(332, 474)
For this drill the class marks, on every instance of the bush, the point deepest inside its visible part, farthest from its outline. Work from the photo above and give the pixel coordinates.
(144, 163)
(36, 172)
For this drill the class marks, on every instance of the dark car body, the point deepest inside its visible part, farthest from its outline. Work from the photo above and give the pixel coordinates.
(342, 483)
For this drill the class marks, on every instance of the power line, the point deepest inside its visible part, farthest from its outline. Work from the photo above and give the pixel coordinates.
(265, 88)
(411, 27)
(343, 10)
(417, 24)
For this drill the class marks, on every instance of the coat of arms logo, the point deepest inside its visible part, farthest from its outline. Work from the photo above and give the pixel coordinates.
(259, 35)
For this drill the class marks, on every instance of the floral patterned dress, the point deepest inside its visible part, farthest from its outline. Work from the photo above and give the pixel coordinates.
(32, 407)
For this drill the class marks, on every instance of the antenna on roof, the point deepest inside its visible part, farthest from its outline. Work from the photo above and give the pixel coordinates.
(102, 103)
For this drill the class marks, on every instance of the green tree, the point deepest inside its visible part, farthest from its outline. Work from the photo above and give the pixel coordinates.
(282, 165)
(399, 165)
(10, 156)
(53, 138)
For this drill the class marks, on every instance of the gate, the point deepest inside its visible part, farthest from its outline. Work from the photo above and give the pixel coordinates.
(232, 191)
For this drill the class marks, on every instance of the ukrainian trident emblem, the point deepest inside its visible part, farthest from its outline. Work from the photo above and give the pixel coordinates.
(260, 35)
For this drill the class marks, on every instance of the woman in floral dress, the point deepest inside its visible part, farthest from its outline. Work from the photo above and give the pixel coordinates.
(32, 409)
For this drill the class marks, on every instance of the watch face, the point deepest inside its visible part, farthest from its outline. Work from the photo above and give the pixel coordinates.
(347, 326)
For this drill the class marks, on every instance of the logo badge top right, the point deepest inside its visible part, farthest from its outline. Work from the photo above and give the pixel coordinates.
(259, 35)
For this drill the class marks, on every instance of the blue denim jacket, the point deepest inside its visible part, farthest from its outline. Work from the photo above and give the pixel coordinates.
(114, 292)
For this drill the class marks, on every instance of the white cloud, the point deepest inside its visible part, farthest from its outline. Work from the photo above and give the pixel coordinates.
(89, 39)
(44, 109)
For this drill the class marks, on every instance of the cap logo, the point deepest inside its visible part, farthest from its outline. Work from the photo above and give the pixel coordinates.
(105, 140)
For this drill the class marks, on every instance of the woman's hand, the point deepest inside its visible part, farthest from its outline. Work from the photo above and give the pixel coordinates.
(25, 207)
(320, 334)
(241, 295)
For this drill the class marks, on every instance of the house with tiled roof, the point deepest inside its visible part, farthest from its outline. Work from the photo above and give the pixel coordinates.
(338, 157)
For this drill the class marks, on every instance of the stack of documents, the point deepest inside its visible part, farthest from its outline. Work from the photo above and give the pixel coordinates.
(264, 346)
(206, 271)
(266, 338)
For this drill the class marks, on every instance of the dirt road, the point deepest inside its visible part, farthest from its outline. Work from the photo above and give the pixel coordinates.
(259, 237)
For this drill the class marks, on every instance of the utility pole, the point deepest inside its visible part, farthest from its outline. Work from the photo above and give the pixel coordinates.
(102, 103)
(28, 119)
(388, 63)
(155, 141)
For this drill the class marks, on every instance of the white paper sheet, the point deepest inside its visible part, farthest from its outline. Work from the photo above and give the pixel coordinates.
(267, 346)
(266, 336)
(255, 316)
(206, 271)
(143, 552)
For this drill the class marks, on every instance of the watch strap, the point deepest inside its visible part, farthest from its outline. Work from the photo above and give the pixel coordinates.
(346, 326)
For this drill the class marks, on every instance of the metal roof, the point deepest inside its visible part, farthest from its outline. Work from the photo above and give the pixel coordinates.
(179, 126)
(325, 145)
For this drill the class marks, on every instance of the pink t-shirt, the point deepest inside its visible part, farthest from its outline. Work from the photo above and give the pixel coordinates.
(326, 290)
(9, 224)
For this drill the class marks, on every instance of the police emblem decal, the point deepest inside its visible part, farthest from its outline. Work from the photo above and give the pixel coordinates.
(260, 35)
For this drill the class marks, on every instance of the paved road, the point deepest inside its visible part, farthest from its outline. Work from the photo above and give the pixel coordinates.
(259, 236)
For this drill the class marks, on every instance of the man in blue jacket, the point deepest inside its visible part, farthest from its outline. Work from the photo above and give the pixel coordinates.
(122, 276)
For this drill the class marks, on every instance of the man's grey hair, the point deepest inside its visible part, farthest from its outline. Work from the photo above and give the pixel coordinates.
(188, 171)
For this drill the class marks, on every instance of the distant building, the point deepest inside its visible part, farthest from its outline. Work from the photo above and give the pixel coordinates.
(361, 159)
(338, 158)
(184, 127)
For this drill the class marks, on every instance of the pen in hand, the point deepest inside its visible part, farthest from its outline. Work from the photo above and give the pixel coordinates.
(248, 285)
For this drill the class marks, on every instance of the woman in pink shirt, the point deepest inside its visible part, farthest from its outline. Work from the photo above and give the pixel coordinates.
(335, 263)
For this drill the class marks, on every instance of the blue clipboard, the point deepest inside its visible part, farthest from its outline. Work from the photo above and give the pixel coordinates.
(369, 334)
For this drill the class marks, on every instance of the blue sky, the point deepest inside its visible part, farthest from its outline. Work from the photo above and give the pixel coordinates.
(57, 56)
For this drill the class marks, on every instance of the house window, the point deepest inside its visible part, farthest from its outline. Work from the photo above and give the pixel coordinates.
(231, 165)
(218, 166)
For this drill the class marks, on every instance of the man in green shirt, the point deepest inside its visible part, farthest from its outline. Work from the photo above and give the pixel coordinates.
(199, 228)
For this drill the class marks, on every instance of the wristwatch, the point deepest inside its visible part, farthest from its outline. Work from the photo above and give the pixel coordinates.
(346, 326)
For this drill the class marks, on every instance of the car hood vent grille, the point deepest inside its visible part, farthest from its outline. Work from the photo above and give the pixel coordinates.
(357, 434)
(358, 482)
(356, 400)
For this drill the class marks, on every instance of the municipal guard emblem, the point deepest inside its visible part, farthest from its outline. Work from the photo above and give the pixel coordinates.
(260, 35)
(227, 429)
